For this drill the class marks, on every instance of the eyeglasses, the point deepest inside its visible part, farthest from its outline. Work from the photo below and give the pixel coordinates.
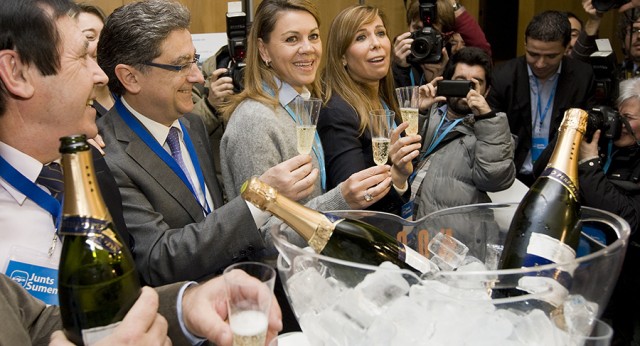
(634, 31)
(177, 68)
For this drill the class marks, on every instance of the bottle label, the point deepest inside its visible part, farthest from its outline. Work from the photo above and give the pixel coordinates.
(333, 218)
(562, 178)
(551, 284)
(99, 230)
(93, 335)
(414, 259)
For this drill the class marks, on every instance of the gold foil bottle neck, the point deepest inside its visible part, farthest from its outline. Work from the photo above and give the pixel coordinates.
(574, 118)
(258, 193)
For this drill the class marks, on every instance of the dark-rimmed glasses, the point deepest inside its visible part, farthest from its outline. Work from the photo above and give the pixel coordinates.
(176, 68)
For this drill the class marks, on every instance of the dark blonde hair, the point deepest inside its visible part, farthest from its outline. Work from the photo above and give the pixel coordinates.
(256, 71)
(336, 76)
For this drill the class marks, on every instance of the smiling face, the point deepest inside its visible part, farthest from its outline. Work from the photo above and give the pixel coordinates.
(629, 109)
(165, 95)
(294, 48)
(64, 99)
(369, 56)
(544, 57)
(91, 26)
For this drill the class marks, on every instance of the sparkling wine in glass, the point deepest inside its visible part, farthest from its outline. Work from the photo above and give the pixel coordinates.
(380, 124)
(408, 100)
(306, 112)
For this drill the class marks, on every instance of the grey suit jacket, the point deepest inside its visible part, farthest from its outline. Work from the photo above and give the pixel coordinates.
(174, 241)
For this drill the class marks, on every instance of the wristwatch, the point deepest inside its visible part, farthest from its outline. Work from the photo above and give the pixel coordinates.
(456, 6)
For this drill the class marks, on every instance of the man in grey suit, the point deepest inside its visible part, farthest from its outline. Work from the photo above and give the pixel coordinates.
(160, 155)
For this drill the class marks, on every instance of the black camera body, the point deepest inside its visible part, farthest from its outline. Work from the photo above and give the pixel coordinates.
(237, 47)
(605, 119)
(606, 5)
(454, 88)
(427, 42)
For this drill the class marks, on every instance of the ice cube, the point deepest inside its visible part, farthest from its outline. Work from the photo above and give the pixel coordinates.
(310, 291)
(579, 315)
(358, 308)
(492, 256)
(330, 328)
(384, 285)
(447, 251)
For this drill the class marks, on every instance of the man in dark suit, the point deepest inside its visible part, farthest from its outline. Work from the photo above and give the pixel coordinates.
(160, 156)
(535, 89)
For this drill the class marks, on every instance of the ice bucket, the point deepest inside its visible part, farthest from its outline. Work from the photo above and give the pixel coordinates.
(344, 303)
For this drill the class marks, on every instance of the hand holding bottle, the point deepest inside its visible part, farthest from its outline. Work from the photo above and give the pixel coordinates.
(294, 178)
(205, 311)
(141, 326)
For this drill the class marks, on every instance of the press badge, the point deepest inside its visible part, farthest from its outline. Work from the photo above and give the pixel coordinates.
(35, 271)
(539, 144)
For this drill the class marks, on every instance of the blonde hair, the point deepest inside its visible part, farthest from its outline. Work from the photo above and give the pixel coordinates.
(336, 76)
(256, 71)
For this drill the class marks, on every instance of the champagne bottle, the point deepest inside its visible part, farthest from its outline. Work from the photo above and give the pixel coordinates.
(97, 279)
(543, 229)
(339, 238)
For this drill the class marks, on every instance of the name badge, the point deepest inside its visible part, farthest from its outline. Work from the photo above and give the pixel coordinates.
(407, 210)
(35, 272)
(539, 144)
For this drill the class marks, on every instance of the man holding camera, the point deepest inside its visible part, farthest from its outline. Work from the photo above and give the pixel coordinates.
(467, 147)
(536, 88)
(609, 179)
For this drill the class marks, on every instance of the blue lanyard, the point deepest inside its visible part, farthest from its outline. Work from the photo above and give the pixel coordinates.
(413, 80)
(386, 108)
(151, 142)
(31, 190)
(439, 139)
(543, 115)
(435, 143)
(610, 155)
(317, 144)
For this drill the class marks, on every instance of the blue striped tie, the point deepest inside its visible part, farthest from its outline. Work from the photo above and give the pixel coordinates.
(51, 178)
(173, 141)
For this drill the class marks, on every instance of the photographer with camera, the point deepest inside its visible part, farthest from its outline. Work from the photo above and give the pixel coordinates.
(422, 53)
(467, 148)
(609, 179)
(534, 88)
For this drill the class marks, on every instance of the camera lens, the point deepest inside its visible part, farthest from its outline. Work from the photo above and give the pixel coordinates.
(421, 47)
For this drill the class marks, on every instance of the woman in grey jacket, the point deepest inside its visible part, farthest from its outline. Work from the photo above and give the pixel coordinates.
(468, 148)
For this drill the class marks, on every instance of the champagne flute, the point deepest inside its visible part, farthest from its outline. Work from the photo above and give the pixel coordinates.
(380, 124)
(248, 303)
(307, 112)
(408, 100)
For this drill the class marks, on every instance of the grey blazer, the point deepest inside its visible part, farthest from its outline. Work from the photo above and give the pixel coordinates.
(174, 241)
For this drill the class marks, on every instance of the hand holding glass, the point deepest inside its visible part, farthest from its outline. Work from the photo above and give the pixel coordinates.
(306, 112)
(380, 121)
(408, 100)
(249, 306)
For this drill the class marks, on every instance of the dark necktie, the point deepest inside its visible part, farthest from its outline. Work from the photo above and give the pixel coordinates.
(51, 178)
(173, 141)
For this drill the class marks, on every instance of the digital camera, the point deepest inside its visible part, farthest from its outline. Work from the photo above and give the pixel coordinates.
(605, 119)
(606, 5)
(237, 46)
(427, 42)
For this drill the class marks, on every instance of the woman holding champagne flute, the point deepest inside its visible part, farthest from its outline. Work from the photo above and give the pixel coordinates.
(358, 81)
(283, 56)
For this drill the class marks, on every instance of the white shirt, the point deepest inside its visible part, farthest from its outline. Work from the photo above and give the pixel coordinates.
(23, 223)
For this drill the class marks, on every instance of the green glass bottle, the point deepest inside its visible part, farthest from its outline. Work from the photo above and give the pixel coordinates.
(341, 238)
(544, 228)
(97, 279)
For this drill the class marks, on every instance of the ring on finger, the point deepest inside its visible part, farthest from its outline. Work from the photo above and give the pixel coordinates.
(367, 196)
